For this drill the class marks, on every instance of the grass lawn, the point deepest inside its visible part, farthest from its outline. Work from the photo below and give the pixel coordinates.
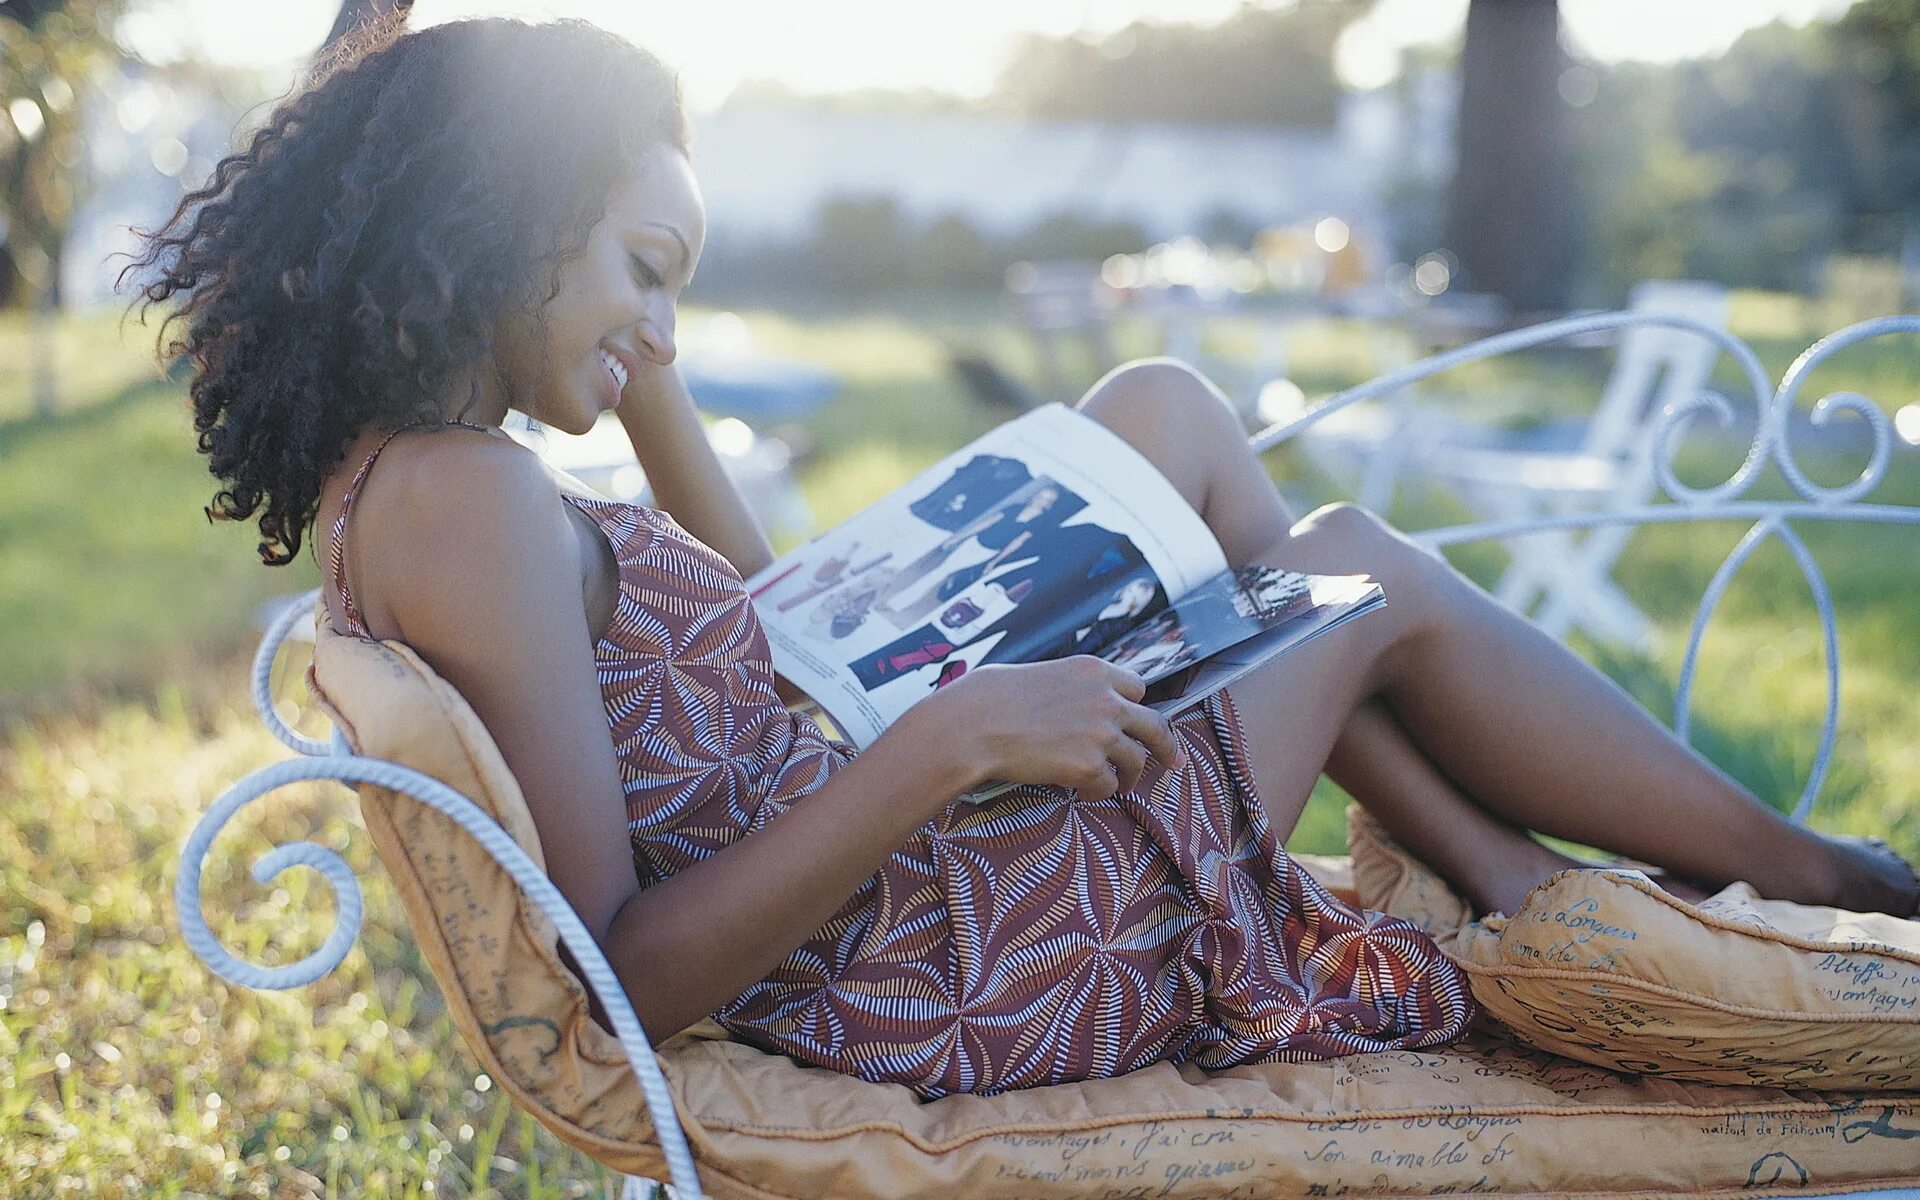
(127, 1069)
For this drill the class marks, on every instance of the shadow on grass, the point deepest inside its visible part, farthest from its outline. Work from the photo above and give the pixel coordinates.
(111, 586)
(19, 433)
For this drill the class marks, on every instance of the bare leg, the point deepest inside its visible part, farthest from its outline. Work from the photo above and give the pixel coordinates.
(1515, 731)
(1493, 863)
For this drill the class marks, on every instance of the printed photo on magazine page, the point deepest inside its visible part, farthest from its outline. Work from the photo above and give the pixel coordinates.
(1048, 536)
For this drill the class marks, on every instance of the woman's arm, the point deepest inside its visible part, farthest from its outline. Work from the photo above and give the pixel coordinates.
(686, 946)
(688, 480)
(482, 576)
(477, 564)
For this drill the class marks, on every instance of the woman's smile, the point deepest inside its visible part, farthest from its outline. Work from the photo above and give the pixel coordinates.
(615, 374)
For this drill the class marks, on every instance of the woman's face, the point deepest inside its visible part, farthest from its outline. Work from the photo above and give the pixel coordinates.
(612, 320)
(1131, 599)
(1038, 503)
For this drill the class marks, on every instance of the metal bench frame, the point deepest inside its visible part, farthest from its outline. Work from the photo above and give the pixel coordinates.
(1723, 502)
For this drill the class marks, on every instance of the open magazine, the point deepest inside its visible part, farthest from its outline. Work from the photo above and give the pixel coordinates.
(1048, 537)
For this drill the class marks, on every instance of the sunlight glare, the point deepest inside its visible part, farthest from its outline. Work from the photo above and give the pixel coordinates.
(1281, 400)
(1364, 58)
(731, 437)
(138, 107)
(1906, 423)
(1331, 234)
(27, 117)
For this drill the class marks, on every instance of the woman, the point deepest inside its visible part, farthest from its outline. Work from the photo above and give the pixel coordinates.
(487, 215)
(1119, 614)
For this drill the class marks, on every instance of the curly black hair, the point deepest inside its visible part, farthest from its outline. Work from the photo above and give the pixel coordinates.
(343, 268)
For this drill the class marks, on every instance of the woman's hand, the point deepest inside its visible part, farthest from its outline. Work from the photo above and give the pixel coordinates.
(1075, 722)
(688, 481)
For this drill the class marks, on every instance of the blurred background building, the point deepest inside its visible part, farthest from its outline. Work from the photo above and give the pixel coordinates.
(1548, 154)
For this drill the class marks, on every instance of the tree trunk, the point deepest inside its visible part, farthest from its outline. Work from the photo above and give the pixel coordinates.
(44, 336)
(1509, 219)
(355, 13)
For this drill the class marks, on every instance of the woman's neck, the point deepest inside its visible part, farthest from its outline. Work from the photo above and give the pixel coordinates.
(476, 394)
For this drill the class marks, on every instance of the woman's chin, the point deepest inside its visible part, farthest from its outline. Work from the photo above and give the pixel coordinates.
(575, 420)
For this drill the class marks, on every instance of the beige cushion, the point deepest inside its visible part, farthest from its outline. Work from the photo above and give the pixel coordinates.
(1388, 879)
(1486, 1114)
(1606, 967)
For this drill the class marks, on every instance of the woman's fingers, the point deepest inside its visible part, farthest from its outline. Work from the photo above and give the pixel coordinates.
(1092, 782)
(1155, 733)
(1129, 760)
(1074, 722)
(1127, 683)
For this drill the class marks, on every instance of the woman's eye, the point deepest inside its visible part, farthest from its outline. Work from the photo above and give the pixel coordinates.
(647, 274)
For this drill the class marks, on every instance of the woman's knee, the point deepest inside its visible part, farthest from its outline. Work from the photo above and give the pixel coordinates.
(1348, 534)
(1350, 526)
(1173, 415)
(1157, 397)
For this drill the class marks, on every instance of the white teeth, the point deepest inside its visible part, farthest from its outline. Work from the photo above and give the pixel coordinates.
(619, 369)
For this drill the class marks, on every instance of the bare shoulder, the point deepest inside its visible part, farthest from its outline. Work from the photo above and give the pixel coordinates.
(481, 575)
(470, 527)
(458, 477)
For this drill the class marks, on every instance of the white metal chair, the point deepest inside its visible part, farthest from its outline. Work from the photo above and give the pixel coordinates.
(1658, 368)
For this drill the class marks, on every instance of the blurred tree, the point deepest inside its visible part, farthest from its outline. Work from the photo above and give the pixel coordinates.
(1754, 167)
(1071, 235)
(953, 254)
(1224, 227)
(1509, 212)
(1260, 66)
(871, 244)
(1876, 45)
(52, 55)
(1765, 113)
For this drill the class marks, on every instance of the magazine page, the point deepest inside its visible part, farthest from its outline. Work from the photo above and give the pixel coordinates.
(1325, 602)
(1227, 609)
(1224, 629)
(1036, 541)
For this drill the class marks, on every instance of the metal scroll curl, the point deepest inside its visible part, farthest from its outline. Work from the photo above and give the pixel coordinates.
(291, 614)
(1770, 527)
(527, 874)
(1830, 406)
(1772, 443)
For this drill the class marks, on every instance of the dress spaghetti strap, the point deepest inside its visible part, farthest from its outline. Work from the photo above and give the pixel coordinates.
(337, 554)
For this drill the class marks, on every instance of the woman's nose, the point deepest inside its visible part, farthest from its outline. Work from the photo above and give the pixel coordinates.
(657, 343)
(656, 336)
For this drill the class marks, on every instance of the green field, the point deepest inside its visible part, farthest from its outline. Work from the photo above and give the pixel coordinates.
(125, 618)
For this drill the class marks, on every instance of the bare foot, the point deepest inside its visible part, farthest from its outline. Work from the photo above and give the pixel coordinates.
(1861, 874)
(1873, 878)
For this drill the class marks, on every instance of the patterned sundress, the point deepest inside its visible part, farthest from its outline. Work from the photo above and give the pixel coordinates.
(1038, 938)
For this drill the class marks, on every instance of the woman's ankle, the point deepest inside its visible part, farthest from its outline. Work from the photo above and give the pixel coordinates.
(1501, 888)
